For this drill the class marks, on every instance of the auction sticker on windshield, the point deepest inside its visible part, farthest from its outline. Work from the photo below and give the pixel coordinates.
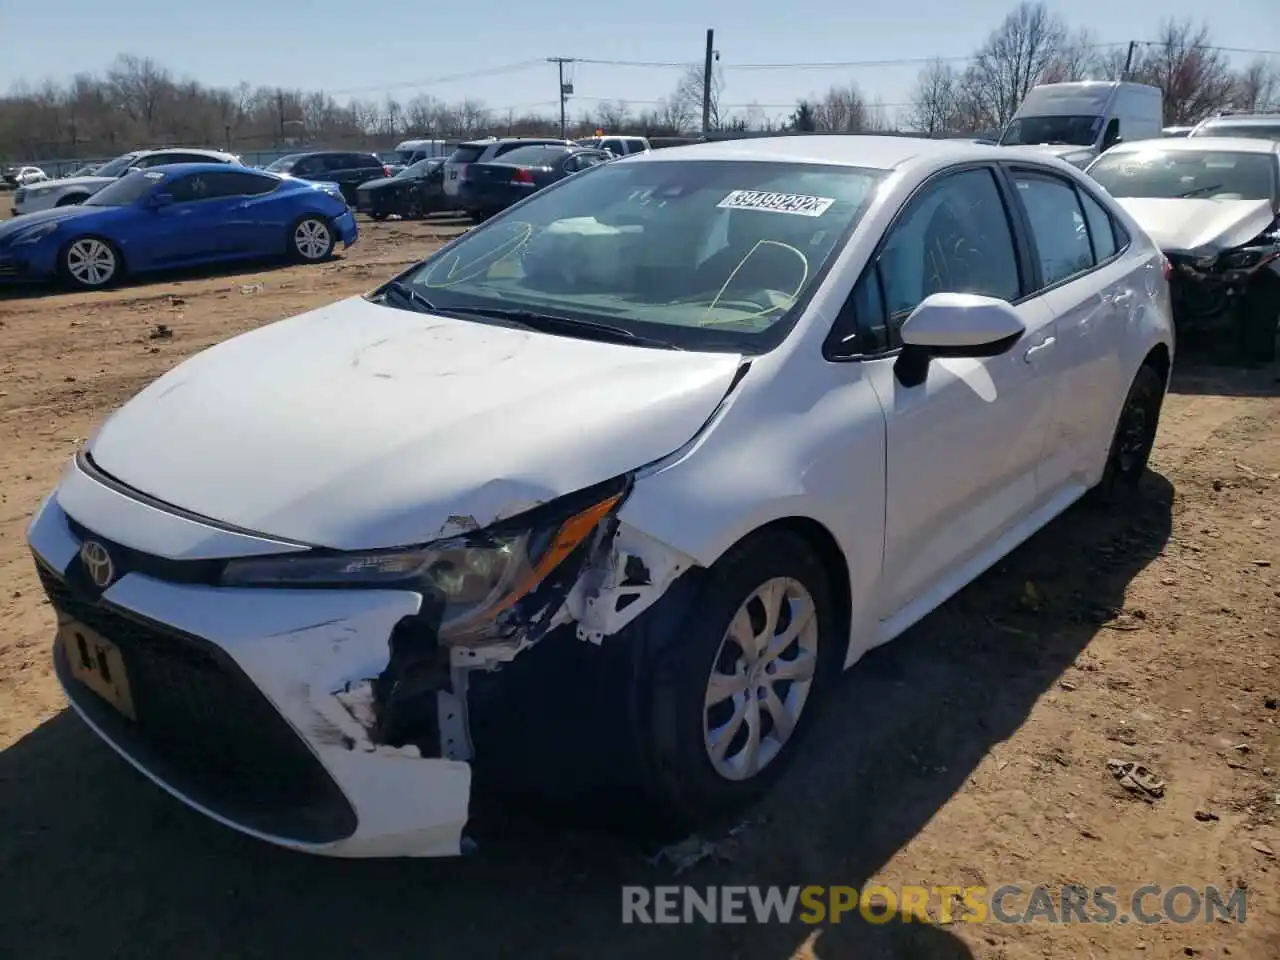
(777, 202)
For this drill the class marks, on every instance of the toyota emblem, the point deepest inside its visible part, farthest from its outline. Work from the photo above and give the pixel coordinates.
(97, 563)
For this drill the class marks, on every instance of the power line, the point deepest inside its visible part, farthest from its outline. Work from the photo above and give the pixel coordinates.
(448, 78)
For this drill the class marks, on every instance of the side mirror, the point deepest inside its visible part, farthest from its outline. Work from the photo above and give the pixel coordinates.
(159, 200)
(955, 325)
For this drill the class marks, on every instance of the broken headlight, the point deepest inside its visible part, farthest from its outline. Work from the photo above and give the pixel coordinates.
(471, 580)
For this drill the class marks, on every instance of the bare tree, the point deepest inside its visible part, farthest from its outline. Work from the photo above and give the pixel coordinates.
(1196, 79)
(139, 86)
(1014, 58)
(613, 116)
(690, 90)
(840, 110)
(755, 117)
(1077, 59)
(1258, 87)
(935, 101)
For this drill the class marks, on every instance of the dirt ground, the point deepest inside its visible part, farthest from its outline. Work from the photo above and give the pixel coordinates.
(972, 751)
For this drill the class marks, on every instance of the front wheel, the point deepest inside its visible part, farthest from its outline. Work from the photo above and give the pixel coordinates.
(312, 240)
(89, 263)
(728, 698)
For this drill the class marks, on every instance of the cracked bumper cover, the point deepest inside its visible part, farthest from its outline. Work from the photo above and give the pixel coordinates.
(292, 662)
(282, 694)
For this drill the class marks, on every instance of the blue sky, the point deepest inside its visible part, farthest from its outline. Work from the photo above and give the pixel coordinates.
(376, 48)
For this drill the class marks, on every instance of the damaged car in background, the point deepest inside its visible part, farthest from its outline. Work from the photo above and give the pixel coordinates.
(595, 503)
(1213, 206)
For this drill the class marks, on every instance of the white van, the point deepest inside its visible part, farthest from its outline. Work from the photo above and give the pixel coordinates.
(411, 151)
(1077, 121)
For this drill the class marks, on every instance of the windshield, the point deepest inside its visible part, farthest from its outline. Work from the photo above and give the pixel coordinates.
(1077, 131)
(1187, 174)
(284, 164)
(702, 254)
(117, 167)
(1250, 131)
(128, 189)
(419, 169)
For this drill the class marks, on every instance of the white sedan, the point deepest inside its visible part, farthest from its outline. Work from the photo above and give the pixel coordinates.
(604, 494)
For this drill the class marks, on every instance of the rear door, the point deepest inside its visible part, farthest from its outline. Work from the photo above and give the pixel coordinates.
(1093, 282)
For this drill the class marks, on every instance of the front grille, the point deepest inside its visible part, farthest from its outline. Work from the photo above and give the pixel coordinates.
(204, 728)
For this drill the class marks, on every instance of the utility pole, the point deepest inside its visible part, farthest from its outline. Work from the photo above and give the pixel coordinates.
(1128, 60)
(706, 82)
(280, 113)
(566, 89)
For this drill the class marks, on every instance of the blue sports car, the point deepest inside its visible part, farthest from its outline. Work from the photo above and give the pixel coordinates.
(178, 215)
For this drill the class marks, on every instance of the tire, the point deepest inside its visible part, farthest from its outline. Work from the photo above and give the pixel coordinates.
(311, 239)
(687, 782)
(72, 200)
(90, 263)
(1134, 436)
(378, 216)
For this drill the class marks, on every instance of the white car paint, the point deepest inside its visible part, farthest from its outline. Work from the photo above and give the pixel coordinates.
(1195, 224)
(29, 175)
(360, 426)
(47, 194)
(1200, 225)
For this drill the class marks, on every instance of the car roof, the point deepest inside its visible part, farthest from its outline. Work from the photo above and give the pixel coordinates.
(874, 152)
(325, 153)
(1243, 119)
(199, 151)
(531, 141)
(1201, 145)
(174, 169)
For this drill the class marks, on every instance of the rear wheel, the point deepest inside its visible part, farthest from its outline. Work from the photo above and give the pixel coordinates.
(312, 240)
(90, 263)
(1134, 436)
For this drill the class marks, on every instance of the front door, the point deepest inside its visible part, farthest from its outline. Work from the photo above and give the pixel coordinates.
(962, 448)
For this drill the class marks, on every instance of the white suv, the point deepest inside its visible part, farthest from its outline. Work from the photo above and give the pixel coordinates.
(618, 146)
(72, 190)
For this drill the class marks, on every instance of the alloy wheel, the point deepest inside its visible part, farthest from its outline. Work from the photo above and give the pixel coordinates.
(312, 239)
(761, 678)
(90, 262)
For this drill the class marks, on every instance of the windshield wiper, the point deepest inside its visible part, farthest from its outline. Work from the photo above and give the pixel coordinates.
(554, 323)
(414, 299)
(1192, 192)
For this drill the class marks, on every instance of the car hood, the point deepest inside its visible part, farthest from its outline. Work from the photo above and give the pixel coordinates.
(1195, 225)
(19, 223)
(381, 182)
(359, 426)
(92, 183)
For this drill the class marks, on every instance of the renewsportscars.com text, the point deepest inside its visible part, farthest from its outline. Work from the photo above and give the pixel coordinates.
(1006, 904)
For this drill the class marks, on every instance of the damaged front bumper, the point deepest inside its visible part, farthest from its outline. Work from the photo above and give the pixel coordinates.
(253, 706)
(333, 721)
(1218, 290)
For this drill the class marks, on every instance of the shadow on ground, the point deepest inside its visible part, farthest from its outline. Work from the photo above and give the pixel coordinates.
(128, 283)
(1196, 375)
(100, 863)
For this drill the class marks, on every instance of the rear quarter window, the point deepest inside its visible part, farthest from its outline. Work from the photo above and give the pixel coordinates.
(466, 155)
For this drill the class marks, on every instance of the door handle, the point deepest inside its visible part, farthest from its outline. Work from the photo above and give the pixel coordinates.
(1122, 299)
(1044, 344)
